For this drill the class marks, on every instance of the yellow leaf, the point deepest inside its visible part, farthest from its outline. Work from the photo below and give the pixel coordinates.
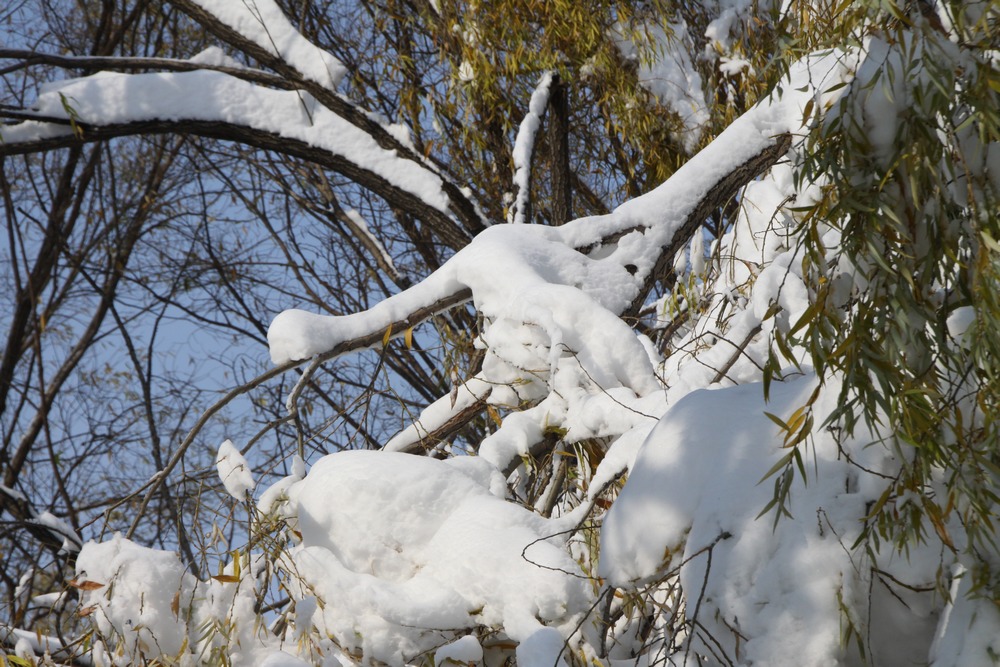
(386, 336)
(494, 415)
(85, 585)
(408, 338)
(226, 578)
(795, 421)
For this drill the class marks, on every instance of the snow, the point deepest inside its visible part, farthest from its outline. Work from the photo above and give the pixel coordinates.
(775, 585)
(13, 493)
(136, 588)
(734, 66)
(108, 98)
(272, 498)
(215, 57)
(959, 322)
(234, 471)
(524, 147)
(967, 634)
(30, 645)
(669, 75)
(405, 543)
(437, 414)
(391, 558)
(462, 651)
(264, 24)
(71, 540)
(552, 310)
(362, 226)
(466, 73)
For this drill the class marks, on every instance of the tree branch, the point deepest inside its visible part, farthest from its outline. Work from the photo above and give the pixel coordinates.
(442, 223)
(461, 206)
(718, 195)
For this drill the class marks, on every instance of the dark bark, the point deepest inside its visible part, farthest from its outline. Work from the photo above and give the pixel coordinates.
(558, 132)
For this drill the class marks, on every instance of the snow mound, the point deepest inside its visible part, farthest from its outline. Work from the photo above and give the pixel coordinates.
(130, 589)
(693, 506)
(410, 552)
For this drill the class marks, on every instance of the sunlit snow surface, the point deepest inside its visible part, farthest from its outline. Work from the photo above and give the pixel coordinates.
(266, 25)
(234, 471)
(692, 505)
(413, 550)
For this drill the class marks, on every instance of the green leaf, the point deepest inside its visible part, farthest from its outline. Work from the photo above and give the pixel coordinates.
(780, 465)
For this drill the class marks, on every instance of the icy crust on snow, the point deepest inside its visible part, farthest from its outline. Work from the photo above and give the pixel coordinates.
(264, 24)
(110, 98)
(407, 552)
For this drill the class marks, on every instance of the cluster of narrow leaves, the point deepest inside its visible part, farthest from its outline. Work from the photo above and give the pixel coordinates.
(902, 263)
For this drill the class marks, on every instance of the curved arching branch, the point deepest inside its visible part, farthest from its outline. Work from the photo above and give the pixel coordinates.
(462, 207)
(445, 227)
(721, 192)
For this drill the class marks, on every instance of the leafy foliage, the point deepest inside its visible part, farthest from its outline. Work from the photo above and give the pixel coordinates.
(902, 268)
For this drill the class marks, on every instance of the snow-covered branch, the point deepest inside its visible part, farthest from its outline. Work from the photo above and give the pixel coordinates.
(635, 241)
(524, 150)
(298, 112)
(252, 32)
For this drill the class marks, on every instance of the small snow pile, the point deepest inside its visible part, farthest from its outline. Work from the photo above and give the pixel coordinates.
(408, 554)
(462, 651)
(135, 594)
(272, 499)
(234, 471)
